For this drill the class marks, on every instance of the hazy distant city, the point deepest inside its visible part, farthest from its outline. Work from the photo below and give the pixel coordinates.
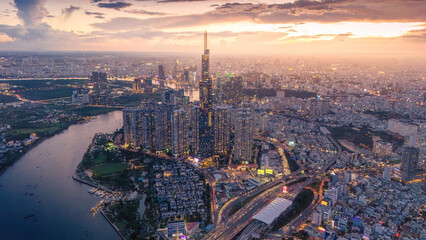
(208, 135)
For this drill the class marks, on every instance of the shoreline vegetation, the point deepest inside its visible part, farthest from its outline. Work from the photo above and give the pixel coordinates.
(14, 157)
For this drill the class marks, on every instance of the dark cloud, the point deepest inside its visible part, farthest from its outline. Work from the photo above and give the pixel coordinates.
(144, 12)
(67, 12)
(171, 1)
(95, 14)
(31, 12)
(114, 5)
(298, 12)
(330, 10)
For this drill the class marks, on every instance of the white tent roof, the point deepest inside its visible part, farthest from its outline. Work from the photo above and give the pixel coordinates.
(273, 210)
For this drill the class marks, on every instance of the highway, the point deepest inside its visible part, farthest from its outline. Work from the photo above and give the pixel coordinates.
(229, 228)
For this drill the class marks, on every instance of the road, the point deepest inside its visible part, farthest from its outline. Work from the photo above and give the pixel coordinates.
(229, 228)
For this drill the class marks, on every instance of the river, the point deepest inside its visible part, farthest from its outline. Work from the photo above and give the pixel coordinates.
(40, 200)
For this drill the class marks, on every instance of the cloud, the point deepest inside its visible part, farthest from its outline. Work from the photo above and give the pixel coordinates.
(96, 14)
(416, 35)
(114, 5)
(42, 31)
(171, 1)
(150, 34)
(330, 11)
(67, 12)
(144, 12)
(31, 12)
(300, 11)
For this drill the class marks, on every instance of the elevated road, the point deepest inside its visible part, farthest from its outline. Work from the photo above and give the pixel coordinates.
(229, 228)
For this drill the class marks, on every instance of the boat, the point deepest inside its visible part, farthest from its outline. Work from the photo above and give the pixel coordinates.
(91, 191)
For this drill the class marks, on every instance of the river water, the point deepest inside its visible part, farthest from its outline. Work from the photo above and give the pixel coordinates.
(40, 200)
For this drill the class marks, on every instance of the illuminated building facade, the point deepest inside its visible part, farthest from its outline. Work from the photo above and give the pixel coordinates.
(243, 136)
(179, 131)
(232, 91)
(222, 129)
(137, 85)
(148, 126)
(132, 126)
(194, 129)
(175, 229)
(206, 107)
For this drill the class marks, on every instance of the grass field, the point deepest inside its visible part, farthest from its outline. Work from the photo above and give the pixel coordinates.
(92, 111)
(34, 84)
(41, 130)
(108, 168)
(44, 94)
(8, 98)
(100, 158)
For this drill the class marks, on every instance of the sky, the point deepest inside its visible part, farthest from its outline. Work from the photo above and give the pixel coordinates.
(263, 27)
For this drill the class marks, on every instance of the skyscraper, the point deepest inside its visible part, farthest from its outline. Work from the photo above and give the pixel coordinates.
(131, 126)
(409, 163)
(243, 136)
(147, 126)
(161, 74)
(222, 129)
(179, 132)
(194, 129)
(206, 106)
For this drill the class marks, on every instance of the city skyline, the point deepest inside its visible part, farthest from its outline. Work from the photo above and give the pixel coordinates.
(291, 27)
(213, 119)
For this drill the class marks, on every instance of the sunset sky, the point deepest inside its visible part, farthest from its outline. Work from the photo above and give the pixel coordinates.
(235, 27)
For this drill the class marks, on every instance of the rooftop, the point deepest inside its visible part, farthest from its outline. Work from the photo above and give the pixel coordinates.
(273, 210)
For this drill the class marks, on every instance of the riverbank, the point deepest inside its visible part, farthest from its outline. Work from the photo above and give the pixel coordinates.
(76, 178)
(42, 182)
(10, 160)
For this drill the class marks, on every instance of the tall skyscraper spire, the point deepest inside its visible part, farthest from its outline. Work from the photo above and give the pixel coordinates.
(206, 106)
(205, 41)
